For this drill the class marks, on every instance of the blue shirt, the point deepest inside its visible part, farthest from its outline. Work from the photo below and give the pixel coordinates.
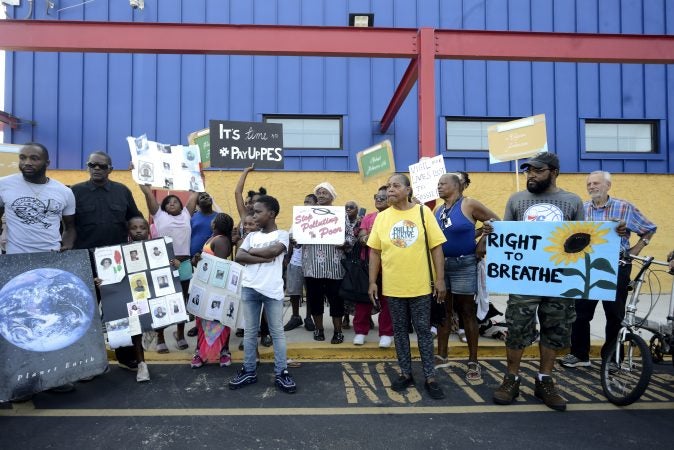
(457, 228)
(620, 209)
(201, 230)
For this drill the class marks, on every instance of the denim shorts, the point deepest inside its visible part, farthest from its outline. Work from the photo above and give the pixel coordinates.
(461, 274)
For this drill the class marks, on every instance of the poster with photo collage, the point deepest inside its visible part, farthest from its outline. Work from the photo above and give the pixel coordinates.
(215, 290)
(142, 291)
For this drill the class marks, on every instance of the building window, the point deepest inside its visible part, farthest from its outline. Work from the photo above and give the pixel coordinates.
(468, 134)
(625, 137)
(315, 132)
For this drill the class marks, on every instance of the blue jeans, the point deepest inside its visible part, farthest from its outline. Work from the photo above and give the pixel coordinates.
(252, 302)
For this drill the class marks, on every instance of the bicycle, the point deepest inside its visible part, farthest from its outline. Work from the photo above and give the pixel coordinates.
(626, 371)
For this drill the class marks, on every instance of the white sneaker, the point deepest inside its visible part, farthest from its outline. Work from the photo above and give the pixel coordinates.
(359, 339)
(434, 331)
(385, 341)
(143, 373)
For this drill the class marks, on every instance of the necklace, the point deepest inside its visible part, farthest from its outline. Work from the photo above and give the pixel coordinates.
(36, 192)
(445, 220)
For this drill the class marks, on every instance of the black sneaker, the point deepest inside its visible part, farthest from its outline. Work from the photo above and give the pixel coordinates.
(242, 378)
(266, 340)
(239, 332)
(294, 322)
(337, 338)
(508, 390)
(193, 332)
(285, 382)
(434, 390)
(319, 335)
(309, 324)
(402, 383)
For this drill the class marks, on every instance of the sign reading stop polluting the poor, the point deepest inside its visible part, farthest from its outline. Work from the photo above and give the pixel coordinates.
(236, 145)
(319, 224)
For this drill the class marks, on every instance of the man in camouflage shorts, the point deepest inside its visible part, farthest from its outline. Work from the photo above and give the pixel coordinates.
(542, 200)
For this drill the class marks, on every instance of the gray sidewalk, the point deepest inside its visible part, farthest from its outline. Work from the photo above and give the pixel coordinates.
(301, 345)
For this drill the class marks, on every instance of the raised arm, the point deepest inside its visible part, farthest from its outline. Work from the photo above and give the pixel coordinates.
(238, 191)
(152, 205)
(192, 202)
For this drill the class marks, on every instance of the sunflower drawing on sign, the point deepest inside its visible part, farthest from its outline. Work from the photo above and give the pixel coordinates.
(573, 241)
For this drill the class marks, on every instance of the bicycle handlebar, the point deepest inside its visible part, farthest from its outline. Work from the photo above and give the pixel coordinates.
(649, 260)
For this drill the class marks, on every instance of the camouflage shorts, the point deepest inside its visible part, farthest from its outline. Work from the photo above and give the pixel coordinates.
(555, 315)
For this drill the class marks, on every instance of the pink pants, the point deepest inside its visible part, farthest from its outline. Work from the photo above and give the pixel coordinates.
(361, 320)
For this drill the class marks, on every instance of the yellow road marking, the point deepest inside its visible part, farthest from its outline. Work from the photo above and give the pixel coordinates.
(331, 411)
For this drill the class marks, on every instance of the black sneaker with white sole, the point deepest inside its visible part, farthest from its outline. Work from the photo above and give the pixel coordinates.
(285, 382)
(242, 379)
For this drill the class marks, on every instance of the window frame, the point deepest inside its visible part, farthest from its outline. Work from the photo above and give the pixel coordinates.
(658, 140)
(339, 118)
(654, 135)
(464, 152)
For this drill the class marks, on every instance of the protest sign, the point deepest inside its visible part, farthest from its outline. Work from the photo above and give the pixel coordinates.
(517, 139)
(237, 145)
(215, 290)
(140, 291)
(202, 139)
(319, 224)
(162, 166)
(576, 260)
(376, 160)
(50, 329)
(424, 176)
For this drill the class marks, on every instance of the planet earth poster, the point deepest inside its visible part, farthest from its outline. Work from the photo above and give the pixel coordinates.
(50, 328)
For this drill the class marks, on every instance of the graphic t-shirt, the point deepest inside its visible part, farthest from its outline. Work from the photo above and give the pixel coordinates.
(547, 207)
(399, 235)
(33, 213)
(266, 278)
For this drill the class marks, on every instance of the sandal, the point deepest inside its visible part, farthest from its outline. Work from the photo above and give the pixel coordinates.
(474, 372)
(162, 348)
(181, 343)
(462, 335)
(440, 361)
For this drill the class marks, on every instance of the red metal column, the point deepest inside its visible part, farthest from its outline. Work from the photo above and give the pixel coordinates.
(426, 92)
(406, 83)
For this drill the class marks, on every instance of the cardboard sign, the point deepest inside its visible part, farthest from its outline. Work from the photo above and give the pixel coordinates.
(319, 224)
(424, 176)
(237, 145)
(138, 285)
(517, 139)
(576, 260)
(215, 290)
(50, 329)
(202, 139)
(376, 160)
(172, 167)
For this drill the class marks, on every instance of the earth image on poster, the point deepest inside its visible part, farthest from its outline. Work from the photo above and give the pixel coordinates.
(44, 310)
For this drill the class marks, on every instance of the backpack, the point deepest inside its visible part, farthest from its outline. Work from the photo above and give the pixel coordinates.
(356, 279)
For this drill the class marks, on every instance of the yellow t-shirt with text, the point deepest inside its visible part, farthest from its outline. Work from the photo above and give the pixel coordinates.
(399, 235)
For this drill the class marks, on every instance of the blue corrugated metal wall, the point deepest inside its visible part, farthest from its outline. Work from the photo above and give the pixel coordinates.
(93, 101)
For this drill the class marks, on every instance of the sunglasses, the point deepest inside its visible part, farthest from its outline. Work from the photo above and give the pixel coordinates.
(93, 165)
(380, 198)
(534, 170)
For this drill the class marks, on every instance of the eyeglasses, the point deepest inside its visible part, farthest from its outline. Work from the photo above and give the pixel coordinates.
(380, 198)
(93, 165)
(534, 171)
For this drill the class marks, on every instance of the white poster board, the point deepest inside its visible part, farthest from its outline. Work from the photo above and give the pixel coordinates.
(215, 290)
(319, 224)
(424, 176)
(162, 166)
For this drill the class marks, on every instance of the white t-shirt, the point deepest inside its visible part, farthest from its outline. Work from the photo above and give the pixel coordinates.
(266, 278)
(177, 228)
(33, 213)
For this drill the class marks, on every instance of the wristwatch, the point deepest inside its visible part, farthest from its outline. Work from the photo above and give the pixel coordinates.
(645, 241)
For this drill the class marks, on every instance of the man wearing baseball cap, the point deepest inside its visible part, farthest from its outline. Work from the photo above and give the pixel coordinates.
(542, 201)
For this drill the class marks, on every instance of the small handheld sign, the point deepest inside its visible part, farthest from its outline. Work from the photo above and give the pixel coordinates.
(237, 145)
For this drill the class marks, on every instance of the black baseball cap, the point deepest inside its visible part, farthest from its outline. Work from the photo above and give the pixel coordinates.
(541, 161)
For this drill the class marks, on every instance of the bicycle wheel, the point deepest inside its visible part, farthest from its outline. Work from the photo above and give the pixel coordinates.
(624, 383)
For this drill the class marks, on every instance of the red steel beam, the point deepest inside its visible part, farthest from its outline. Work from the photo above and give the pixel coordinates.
(406, 83)
(426, 93)
(568, 47)
(184, 38)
